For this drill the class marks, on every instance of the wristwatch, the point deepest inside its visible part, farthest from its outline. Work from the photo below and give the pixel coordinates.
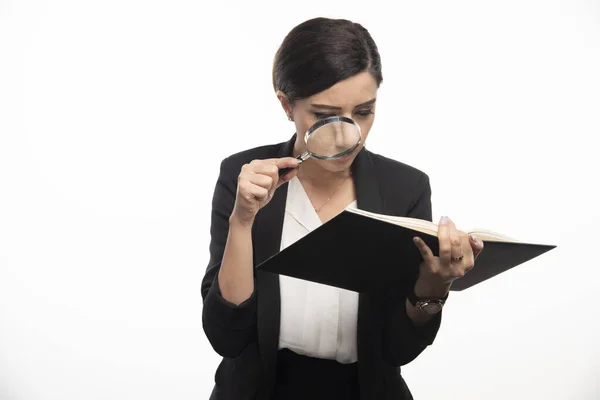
(430, 305)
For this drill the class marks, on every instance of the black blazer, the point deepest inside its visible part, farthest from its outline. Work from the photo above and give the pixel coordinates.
(247, 335)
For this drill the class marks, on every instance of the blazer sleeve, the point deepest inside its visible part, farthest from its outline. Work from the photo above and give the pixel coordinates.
(402, 340)
(228, 327)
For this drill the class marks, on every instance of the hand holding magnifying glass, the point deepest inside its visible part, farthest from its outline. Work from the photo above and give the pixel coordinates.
(329, 139)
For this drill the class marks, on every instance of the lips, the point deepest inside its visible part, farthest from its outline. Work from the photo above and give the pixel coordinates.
(345, 158)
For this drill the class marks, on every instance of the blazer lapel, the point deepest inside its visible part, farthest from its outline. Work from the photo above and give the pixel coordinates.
(268, 228)
(368, 198)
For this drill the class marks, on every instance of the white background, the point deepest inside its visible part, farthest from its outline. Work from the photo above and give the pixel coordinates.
(115, 114)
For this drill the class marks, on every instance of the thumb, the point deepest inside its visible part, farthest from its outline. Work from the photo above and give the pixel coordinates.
(288, 168)
(286, 162)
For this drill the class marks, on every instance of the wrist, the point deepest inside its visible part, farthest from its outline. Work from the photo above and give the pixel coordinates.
(235, 222)
(428, 289)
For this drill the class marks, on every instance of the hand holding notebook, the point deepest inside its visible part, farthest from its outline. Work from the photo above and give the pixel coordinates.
(457, 256)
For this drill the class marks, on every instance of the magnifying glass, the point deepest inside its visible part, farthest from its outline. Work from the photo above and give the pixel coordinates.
(329, 138)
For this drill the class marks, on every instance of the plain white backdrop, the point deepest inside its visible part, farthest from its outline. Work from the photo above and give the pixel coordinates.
(115, 115)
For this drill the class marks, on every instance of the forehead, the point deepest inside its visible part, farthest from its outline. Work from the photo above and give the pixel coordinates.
(348, 93)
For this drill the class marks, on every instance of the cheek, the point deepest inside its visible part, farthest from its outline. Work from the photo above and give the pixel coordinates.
(365, 128)
(302, 125)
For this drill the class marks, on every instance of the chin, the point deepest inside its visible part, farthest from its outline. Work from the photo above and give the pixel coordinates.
(338, 165)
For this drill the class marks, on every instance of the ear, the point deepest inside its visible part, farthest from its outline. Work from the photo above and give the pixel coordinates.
(286, 104)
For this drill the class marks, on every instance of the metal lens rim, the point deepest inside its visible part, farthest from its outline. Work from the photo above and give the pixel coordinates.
(322, 122)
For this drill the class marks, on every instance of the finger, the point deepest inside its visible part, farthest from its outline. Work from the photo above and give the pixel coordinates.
(260, 194)
(457, 269)
(264, 167)
(261, 180)
(468, 260)
(285, 169)
(456, 241)
(424, 250)
(267, 168)
(476, 245)
(282, 170)
(286, 162)
(277, 160)
(444, 241)
(283, 162)
(253, 192)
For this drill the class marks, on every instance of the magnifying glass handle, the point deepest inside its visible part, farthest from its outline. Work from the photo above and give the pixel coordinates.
(284, 171)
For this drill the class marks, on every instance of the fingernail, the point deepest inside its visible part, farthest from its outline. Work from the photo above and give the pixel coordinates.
(444, 220)
(475, 239)
(416, 239)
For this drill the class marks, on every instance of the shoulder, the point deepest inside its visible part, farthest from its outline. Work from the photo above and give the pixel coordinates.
(404, 176)
(405, 190)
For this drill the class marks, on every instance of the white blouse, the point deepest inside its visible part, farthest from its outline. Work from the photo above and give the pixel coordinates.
(316, 320)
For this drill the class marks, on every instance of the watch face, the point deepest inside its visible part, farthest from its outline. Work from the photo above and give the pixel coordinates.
(431, 307)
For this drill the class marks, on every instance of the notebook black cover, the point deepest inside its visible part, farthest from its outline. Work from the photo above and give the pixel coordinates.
(363, 254)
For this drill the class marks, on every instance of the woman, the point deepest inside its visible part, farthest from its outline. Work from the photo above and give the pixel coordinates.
(283, 338)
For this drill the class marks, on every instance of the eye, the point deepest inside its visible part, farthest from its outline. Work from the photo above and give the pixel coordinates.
(364, 113)
(322, 116)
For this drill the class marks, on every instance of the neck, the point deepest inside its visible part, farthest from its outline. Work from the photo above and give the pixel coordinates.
(319, 176)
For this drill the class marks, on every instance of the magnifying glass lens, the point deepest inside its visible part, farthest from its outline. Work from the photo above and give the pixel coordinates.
(330, 139)
(333, 140)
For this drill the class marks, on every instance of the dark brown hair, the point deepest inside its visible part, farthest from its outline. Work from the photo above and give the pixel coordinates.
(319, 53)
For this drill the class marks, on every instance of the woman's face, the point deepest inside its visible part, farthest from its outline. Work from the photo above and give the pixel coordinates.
(352, 98)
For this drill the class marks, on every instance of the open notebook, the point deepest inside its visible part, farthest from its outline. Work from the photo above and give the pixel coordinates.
(364, 251)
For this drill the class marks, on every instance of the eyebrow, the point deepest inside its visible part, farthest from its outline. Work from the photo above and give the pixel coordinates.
(328, 107)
